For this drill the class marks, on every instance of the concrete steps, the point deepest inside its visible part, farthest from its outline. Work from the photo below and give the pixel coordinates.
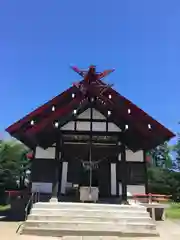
(72, 218)
(57, 233)
(88, 219)
(87, 212)
(87, 206)
(89, 229)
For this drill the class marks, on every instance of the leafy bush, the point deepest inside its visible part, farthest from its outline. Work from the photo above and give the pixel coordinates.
(164, 181)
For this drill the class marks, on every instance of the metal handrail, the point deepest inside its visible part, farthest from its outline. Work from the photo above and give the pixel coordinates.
(30, 201)
(35, 197)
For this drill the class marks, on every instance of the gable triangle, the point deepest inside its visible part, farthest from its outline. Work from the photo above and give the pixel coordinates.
(95, 114)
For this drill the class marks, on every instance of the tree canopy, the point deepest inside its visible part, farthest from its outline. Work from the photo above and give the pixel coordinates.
(164, 169)
(13, 164)
(161, 156)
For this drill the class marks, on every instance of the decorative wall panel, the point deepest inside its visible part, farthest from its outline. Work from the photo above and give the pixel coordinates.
(113, 127)
(113, 179)
(69, 126)
(48, 153)
(99, 126)
(41, 187)
(83, 126)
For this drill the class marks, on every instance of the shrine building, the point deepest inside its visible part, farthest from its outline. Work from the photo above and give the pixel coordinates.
(89, 137)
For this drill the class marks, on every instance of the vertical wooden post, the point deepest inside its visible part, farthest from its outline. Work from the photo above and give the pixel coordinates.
(124, 174)
(56, 175)
(90, 146)
(30, 177)
(145, 172)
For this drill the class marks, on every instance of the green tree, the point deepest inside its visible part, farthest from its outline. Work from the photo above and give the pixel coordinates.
(176, 150)
(13, 164)
(164, 181)
(161, 156)
(23, 167)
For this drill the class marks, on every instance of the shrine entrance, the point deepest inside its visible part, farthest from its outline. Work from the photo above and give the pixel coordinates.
(88, 165)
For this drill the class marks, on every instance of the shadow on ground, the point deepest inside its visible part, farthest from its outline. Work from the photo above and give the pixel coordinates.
(17, 211)
(11, 216)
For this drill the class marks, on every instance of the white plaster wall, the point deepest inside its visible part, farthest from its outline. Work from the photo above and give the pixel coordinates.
(64, 177)
(69, 126)
(41, 187)
(97, 115)
(113, 179)
(133, 189)
(83, 126)
(85, 115)
(136, 189)
(48, 153)
(133, 157)
(96, 126)
(113, 127)
(99, 126)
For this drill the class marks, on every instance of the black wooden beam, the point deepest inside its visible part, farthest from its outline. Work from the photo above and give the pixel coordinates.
(90, 145)
(94, 133)
(124, 174)
(145, 171)
(109, 144)
(57, 162)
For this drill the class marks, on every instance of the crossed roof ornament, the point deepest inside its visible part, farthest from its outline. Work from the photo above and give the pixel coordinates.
(91, 77)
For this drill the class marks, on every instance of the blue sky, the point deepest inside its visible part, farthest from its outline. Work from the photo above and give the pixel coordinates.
(139, 38)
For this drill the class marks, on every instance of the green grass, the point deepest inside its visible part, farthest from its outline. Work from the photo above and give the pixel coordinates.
(4, 207)
(173, 212)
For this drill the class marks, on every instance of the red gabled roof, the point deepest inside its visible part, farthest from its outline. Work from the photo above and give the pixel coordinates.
(53, 102)
(65, 104)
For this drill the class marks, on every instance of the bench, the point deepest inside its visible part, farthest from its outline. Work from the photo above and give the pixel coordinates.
(155, 204)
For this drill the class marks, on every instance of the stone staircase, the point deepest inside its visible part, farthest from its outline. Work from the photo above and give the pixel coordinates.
(88, 219)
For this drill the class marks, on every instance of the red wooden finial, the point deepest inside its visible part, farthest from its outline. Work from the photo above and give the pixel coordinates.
(91, 73)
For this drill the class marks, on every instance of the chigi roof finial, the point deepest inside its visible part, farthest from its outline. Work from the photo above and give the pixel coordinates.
(91, 74)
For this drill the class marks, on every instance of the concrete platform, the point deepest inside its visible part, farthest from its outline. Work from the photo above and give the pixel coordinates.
(167, 229)
(88, 219)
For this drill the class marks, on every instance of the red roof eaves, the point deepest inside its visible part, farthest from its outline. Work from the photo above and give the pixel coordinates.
(54, 116)
(17, 125)
(143, 116)
(129, 118)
